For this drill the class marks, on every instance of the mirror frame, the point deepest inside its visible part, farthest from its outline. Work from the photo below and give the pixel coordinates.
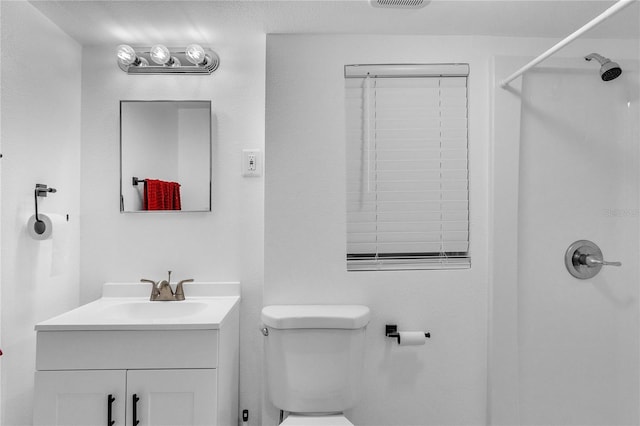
(208, 103)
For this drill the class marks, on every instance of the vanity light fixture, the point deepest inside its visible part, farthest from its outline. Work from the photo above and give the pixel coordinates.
(196, 54)
(127, 56)
(162, 56)
(159, 59)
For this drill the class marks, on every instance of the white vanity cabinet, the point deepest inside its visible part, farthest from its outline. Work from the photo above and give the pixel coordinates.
(79, 398)
(120, 397)
(173, 397)
(142, 370)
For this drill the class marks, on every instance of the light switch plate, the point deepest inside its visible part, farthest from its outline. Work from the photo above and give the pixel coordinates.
(251, 162)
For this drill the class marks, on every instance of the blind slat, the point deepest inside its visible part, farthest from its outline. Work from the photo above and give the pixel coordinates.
(401, 217)
(409, 248)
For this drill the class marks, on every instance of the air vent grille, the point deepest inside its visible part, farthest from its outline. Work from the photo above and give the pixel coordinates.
(400, 4)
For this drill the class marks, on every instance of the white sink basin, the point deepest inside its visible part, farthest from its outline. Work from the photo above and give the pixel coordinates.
(152, 310)
(126, 306)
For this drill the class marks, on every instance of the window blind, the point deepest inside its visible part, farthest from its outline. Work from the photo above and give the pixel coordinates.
(407, 169)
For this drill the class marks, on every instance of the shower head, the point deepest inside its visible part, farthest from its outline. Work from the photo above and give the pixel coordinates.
(608, 69)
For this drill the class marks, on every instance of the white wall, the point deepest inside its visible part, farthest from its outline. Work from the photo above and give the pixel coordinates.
(444, 381)
(226, 244)
(40, 144)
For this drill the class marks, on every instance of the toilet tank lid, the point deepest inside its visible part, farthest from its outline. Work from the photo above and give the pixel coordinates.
(315, 316)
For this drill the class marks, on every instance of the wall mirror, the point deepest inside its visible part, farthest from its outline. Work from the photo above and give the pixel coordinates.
(165, 156)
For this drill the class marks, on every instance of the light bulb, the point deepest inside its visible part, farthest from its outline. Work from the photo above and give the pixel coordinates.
(126, 54)
(160, 54)
(195, 54)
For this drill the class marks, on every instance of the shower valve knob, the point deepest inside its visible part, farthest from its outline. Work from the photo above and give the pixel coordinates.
(584, 259)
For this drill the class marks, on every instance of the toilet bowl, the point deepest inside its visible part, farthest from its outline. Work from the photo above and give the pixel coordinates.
(314, 357)
(322, 420)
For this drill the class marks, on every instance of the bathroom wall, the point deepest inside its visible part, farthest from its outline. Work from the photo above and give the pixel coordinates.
(305, 243)
(223, 245)
(445, 381)
(40, 144)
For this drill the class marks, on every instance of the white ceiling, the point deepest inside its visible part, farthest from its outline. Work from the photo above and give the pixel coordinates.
(146, 21)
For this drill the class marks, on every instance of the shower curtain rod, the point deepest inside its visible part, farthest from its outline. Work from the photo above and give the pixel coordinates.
(621, 4)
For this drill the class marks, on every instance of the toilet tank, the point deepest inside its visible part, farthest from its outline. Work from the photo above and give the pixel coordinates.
(314, 356)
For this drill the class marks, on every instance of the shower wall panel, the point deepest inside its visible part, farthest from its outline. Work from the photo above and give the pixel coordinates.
(578, 339)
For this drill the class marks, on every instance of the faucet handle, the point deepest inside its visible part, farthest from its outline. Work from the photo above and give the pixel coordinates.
(155, 292)
(179, 294)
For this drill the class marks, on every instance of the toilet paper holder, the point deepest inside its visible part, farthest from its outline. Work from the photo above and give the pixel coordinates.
(391, 330)
(40, 191)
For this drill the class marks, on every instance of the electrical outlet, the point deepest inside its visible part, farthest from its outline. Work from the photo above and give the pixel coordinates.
(251, 162)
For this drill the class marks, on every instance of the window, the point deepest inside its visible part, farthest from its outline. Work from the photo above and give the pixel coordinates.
(407, 167)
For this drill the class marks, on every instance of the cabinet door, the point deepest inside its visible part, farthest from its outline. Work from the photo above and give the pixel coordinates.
(79, 398)
(172, 397)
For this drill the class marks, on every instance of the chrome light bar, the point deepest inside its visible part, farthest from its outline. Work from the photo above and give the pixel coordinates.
(192, 60)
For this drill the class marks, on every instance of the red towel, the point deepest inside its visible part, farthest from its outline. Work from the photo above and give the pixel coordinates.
(161, 195)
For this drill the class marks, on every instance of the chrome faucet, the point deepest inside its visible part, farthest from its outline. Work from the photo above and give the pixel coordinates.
(162, 290)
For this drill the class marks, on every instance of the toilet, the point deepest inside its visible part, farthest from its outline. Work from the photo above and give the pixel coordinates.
(313, 358)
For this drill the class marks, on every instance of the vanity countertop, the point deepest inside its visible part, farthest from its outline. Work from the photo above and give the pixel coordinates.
(126, 306)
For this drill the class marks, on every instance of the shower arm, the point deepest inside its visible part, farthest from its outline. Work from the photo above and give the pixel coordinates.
(598, 58)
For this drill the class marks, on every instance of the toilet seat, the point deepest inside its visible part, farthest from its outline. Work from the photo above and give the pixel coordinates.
(328, 420)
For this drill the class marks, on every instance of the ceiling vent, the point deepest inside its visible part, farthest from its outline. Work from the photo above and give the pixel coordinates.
(400, 4)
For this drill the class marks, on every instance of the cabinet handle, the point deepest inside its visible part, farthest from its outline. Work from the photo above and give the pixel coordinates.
(135, 409)
(110, 399)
